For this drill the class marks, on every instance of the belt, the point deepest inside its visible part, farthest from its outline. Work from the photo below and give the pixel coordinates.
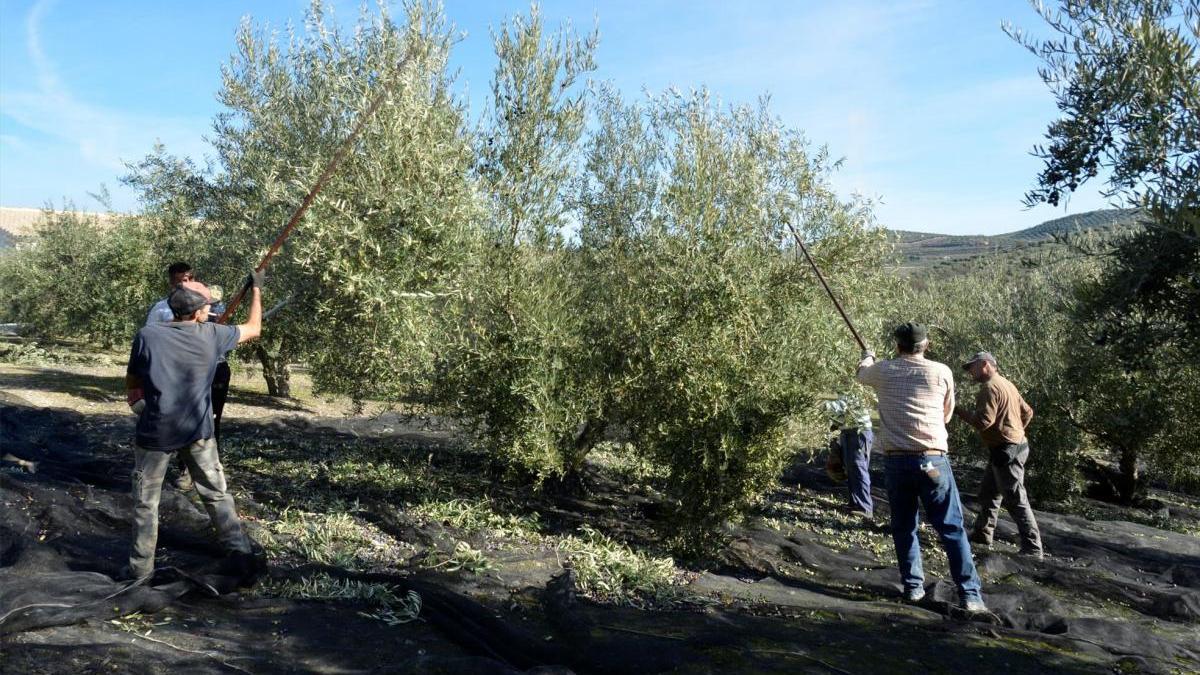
(914, 453)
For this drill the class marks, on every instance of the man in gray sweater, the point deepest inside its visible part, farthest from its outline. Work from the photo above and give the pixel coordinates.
(172, 366)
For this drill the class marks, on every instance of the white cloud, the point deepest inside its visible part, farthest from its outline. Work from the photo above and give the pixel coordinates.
(14, 143)
(102, 137)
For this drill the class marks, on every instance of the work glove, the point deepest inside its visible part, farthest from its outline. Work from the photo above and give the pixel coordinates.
(868, 354)
(256, 278)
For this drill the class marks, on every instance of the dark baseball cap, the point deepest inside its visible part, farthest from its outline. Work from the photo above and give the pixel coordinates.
(188, 297)
(911, 333)
(980, 356)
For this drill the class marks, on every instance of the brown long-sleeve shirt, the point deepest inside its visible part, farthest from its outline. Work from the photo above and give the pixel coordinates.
(1000, 414)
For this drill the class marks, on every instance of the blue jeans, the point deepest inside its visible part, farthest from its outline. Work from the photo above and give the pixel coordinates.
(856, 455)
(906, 485)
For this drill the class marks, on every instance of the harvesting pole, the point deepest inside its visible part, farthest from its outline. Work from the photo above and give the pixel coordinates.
(326, 174)
(821, 278)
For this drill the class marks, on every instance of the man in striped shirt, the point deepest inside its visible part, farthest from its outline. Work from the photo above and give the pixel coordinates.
(916, 400)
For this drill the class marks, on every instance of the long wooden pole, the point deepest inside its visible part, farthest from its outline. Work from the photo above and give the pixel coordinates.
(821, 277)
(326, 174)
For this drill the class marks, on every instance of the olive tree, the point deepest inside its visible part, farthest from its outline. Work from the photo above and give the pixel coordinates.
(511, 360)
(528, 140)
(83, 276)
(385, 238)
(1126, 76)
(711, 337)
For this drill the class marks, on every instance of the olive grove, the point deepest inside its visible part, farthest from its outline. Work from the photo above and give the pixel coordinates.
(1126, 78)
(573, 269)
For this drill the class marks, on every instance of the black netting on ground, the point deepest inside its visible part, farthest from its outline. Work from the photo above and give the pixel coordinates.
(65, 527)
(64, 534)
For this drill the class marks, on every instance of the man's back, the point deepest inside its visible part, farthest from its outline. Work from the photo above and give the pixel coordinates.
(176, 362)
(913, 394)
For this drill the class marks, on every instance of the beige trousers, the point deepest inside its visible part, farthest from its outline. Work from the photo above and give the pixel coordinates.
(202, 462)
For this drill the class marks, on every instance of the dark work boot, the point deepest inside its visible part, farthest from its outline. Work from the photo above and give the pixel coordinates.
(1035, 553)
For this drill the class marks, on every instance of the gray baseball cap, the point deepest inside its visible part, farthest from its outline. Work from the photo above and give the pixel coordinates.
(189, 297)
(980, 356)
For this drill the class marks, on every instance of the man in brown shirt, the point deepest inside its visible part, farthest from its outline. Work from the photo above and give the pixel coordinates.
(1000, 417)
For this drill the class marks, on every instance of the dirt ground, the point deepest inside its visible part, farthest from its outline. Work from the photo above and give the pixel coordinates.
(395, 547)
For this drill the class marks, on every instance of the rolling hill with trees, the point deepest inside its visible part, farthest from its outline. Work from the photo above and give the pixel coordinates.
(922, 250)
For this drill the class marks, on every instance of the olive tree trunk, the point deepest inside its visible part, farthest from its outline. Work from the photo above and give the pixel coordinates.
(1130, 481)
(275, 371)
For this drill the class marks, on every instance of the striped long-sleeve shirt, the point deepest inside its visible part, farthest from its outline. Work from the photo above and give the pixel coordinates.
(916, 396)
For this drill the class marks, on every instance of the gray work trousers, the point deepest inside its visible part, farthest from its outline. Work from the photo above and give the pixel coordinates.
(202, 462)
(1004, 483)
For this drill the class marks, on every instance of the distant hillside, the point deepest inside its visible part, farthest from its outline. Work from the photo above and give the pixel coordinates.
(920, 250)
(16, 222)
(19, 222)
(916, 250)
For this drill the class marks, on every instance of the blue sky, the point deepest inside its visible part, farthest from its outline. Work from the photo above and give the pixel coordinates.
(933, 108)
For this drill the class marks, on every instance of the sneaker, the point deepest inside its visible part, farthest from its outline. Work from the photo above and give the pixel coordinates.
(914, 594)
(974, 606)
(858, 515)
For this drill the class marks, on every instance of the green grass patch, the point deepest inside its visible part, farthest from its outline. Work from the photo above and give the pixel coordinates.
(478, 517)
(336, 538)
(610, 571)
(464, 558)
(324, 587)
(390, 607)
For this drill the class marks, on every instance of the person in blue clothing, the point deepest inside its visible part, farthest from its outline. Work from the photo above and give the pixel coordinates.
(916, 400)
(849, 413)
(169, 378)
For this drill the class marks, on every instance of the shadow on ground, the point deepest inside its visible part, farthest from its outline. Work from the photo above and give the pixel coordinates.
(88, 386)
